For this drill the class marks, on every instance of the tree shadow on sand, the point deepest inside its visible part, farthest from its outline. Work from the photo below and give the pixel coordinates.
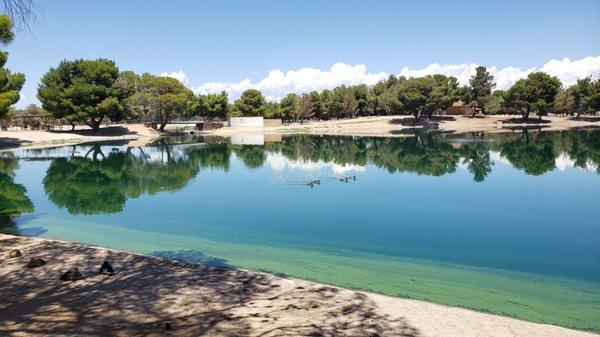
(147, 292)
(6, 142)
(109, 131)
(426, 123)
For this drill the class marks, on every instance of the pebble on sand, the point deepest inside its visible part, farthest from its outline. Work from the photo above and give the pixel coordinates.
(106, 269)
(14, 253)
(34, 263)
(71, 275)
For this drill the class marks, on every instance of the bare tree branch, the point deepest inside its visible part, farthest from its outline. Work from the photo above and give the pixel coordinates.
(22, 12)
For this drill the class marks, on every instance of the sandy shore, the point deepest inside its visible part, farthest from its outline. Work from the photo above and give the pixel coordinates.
(38, 139)
(388, 126)
(146, 292)
(406, 125)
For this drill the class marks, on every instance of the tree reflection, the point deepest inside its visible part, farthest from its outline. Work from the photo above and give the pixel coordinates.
(583, 148)
(437, 154)
(533, 153)
(13, 197)
(101, 182)
(426, 154)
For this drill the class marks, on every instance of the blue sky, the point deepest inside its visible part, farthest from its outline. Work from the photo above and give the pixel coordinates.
(228, 41)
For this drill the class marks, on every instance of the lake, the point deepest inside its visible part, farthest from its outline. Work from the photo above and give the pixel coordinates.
(507, 223)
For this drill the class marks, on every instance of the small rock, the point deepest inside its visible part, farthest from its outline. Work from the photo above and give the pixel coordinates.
(168, 326)
(71, 275)
(34, 263)
(106, 269)
(14, 253)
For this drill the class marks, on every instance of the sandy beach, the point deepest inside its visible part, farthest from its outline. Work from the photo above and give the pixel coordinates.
(390, 126)
(32, 139)
(147, 292)
(382, 126)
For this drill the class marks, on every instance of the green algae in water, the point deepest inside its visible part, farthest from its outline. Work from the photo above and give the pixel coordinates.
(544, 299)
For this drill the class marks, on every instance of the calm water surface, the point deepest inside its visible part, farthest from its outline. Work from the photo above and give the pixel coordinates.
(507, 223)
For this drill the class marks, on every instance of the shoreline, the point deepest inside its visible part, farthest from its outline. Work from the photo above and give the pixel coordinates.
(381, 126)
(146, 291)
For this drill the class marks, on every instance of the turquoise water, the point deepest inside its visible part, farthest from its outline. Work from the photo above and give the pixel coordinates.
(507, 223)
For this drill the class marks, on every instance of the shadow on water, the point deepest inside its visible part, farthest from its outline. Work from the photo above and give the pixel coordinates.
(32, 231)
(195, 256)
(8, 226)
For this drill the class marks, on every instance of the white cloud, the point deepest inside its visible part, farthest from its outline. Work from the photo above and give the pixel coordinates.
(496, 157)
(178, 75)
(278, 83)
(564, 161)
(569, 71)
(504, 77)
(280, 163)
(566, 70)
(462, 72)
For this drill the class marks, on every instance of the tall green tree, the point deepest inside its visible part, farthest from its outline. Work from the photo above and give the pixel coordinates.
(215, 105)
(289, 106)
(495, 103)
(10, 84)
(250, 103)
(586, 96)
(342, 102)
(128, 84)
(386, 100)
(273, 110)
(83, 91)
(161, 99)
(33, 110)
(481, 87)
(536, 94)
(444, 92)
(361, 95)
(413, 95)
(564, 103)
(306, 108)
(316, 100)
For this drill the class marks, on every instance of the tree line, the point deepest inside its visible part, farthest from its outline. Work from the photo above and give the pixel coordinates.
(90, 91)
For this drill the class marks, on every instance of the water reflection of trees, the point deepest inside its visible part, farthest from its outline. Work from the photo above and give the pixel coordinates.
(101, 182)
(437, 154)
(13, 197)
(101, 179)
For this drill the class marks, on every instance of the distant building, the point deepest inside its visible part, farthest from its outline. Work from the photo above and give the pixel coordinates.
(246, 121)
(460, 108)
